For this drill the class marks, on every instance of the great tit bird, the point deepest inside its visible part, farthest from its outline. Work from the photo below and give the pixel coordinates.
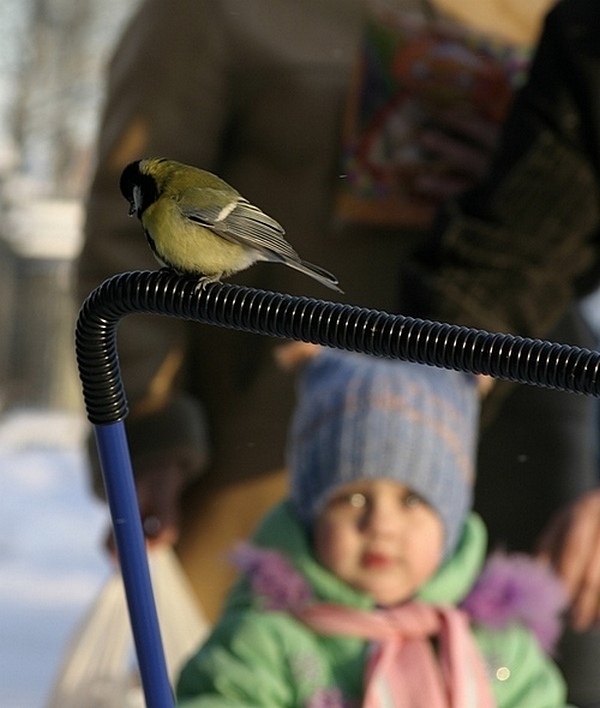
(197, 224)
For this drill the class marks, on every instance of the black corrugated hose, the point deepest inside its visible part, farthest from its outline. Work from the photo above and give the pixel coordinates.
(502, 356)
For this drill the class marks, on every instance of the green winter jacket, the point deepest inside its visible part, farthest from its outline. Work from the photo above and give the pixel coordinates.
(257, 657)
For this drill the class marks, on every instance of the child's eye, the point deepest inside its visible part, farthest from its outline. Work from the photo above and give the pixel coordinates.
(356, 500)
(412, 499)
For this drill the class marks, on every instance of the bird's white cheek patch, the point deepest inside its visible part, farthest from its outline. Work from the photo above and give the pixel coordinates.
(137, 197)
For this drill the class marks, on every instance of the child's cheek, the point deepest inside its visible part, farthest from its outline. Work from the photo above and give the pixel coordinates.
(332, 544)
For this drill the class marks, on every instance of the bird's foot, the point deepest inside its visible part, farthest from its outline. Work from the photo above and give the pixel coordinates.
(206, 280)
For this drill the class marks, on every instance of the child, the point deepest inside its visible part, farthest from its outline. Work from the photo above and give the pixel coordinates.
(364, 588)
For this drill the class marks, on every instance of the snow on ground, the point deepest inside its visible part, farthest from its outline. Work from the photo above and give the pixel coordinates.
(51, 562)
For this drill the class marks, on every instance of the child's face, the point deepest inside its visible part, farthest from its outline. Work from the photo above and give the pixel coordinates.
(380, 538)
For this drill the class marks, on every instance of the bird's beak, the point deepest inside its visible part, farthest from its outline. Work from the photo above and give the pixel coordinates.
(132, 209)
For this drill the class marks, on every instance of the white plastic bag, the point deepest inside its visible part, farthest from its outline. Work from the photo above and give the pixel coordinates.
(99, 668)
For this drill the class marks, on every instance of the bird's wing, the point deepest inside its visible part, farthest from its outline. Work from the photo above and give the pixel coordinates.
(205, 205)
(235, 219)
(239, 221)
(252, 226)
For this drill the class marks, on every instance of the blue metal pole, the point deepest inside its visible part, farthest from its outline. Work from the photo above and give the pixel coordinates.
(129, 538)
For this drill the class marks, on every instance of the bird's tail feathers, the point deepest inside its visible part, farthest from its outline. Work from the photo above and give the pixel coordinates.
(323, 276)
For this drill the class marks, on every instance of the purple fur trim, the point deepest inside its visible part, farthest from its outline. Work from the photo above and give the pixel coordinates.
(516, 588)
(272, 577)
(329, 698)
(511, 588)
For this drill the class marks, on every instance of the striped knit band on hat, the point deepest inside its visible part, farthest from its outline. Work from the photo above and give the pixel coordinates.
(361, 417)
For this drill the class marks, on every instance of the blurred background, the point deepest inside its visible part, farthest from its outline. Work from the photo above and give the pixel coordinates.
(52, 59)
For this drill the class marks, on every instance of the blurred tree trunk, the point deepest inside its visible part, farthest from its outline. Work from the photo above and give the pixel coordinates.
(52, 78)
(52, 55)
(57, 72)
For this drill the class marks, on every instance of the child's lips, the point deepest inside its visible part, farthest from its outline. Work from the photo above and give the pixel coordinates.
(376, 561)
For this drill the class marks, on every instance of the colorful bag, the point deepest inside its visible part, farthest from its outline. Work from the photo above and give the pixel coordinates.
(411, 68)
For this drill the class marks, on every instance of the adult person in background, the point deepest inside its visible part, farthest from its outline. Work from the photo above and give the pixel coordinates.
(515, 254)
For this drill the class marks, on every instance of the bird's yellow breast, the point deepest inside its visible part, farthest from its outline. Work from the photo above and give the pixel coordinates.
(190, 247)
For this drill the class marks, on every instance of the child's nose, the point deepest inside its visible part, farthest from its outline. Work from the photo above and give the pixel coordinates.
(383, 517)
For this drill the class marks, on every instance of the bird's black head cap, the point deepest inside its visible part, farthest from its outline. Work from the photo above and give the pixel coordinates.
(138, 187)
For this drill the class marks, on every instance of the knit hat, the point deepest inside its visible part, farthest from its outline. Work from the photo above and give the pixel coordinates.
(361, 417)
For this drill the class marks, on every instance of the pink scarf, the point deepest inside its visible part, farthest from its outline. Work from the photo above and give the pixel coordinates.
(402, 669)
